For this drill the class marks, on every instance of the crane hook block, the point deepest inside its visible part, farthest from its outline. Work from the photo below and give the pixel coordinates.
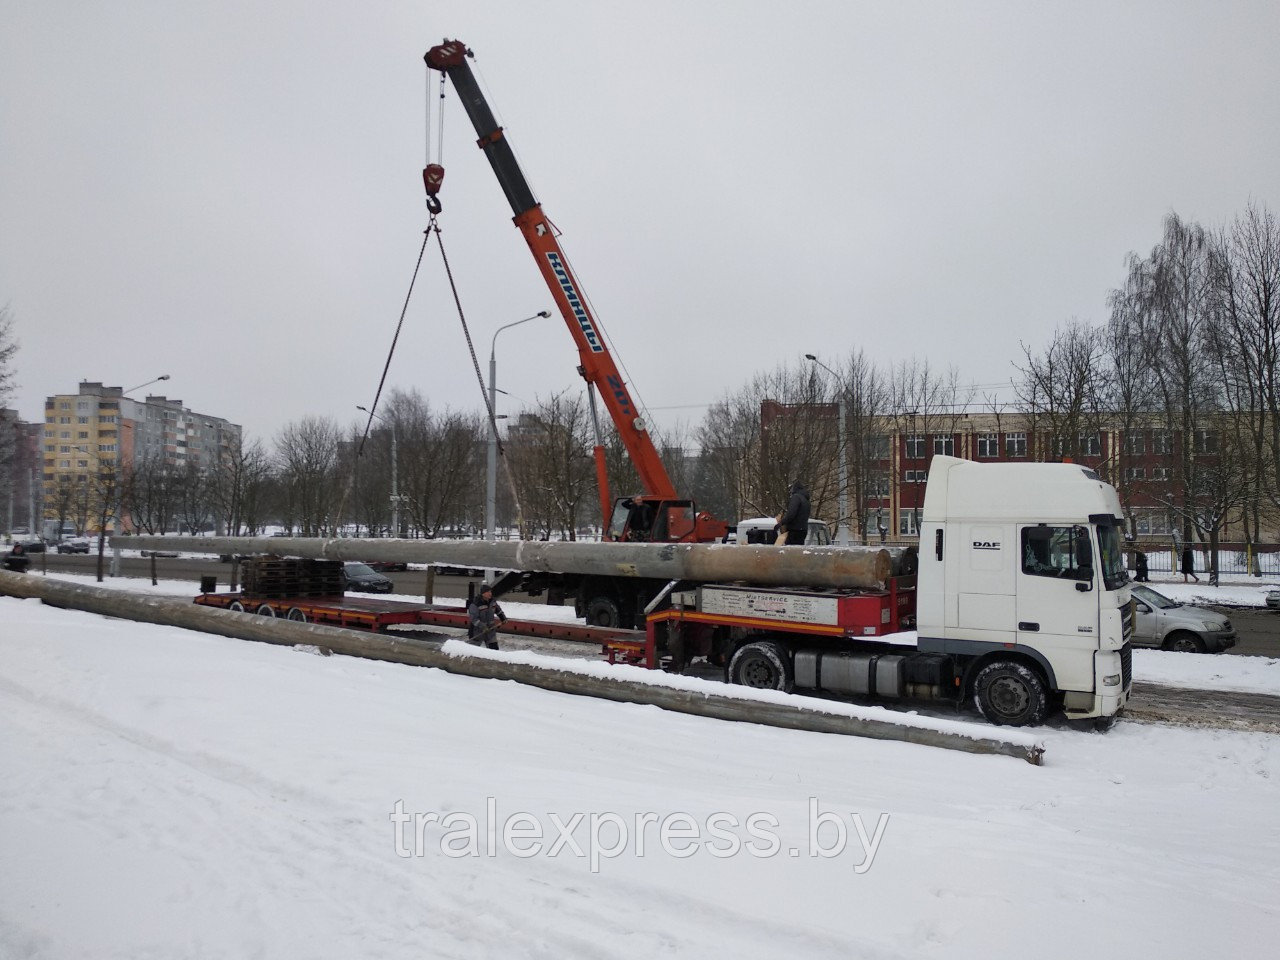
(432, 179)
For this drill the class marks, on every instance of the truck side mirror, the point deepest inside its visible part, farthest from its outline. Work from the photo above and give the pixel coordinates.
(1084, 587)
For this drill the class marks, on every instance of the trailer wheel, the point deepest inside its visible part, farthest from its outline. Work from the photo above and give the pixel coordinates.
(236, 605)
(296, 614)
(603, 611)
(1008, 692)
(265, 610)
(764, 665)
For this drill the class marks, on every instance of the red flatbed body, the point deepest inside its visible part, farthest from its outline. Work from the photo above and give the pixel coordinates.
(377, 615)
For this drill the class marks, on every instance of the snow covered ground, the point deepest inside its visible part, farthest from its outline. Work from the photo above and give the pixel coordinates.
(171, 794)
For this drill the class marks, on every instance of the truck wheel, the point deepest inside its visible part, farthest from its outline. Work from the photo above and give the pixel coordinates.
(297, 615)
(265, 610)
(236, 605)
(764, 665)
(1007, 692)
(602, 611)
(1183, 642)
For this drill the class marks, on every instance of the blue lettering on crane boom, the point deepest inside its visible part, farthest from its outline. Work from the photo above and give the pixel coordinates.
(575, 302)
(589, 331)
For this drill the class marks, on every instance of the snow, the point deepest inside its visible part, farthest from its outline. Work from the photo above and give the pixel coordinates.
(171, 794)
(1243, 674)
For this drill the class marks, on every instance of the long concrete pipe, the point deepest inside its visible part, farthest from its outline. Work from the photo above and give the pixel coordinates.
(847, 567)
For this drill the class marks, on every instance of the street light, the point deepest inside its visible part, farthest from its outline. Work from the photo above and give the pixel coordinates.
(842, 529)
(491, 475)
(163, 376)
(395, 488)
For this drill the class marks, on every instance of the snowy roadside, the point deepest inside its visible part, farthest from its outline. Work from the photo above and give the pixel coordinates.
(235, 799)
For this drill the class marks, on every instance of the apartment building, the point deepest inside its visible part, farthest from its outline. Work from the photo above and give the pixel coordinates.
(99, 431)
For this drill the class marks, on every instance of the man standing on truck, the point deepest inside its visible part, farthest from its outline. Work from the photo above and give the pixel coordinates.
(483, 617)
(794, 521)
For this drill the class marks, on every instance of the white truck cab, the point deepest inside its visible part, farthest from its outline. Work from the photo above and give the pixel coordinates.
(1025, 560)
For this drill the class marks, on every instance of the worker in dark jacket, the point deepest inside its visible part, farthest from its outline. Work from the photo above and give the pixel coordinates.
(795, 519)
(483, 617)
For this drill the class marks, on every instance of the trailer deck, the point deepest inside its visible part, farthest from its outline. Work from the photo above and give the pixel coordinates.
(378, 616)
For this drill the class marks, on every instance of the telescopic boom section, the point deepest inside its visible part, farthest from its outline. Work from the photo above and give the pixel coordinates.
(597, 364)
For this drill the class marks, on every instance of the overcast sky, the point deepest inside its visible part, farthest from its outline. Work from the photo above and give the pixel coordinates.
(231, 192)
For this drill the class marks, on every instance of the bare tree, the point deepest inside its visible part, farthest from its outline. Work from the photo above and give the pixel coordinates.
(1245, 350)
(780, 427)
(1062, 390)
(151, 494)
(307, 460)
(552, 462)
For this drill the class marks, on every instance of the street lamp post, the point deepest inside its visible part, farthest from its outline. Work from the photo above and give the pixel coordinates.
(491, 474)
(395, 487)
(842, 529)
(163, 376)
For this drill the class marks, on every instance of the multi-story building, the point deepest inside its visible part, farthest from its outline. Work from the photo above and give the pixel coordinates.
(20, 461)
(99, 432)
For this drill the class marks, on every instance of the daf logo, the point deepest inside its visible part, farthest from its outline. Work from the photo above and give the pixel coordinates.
(986, 544)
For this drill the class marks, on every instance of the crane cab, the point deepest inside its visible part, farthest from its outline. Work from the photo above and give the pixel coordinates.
(657, 520)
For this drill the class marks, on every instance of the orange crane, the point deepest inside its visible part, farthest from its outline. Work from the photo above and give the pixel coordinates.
(659, 514)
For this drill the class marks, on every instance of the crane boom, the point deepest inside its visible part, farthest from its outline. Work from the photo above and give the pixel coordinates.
(595, 361)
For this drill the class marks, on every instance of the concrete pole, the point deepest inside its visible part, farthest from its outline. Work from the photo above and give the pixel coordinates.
(842, 528)
(491, 476)
(842, 531)
(395, 486)
(491, 473)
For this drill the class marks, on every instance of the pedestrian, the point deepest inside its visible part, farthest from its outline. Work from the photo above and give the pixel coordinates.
(483, 617)
(793, 523)
(1188, 565)
(1140, 564)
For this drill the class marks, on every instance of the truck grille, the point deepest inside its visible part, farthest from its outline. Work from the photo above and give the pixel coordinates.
(1126, 665)
(1127, 613)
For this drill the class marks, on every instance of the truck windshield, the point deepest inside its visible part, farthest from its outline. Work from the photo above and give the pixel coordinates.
(1114, 575)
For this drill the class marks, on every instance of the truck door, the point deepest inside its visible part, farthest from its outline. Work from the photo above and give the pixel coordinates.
(982, 604)
(1058, 599)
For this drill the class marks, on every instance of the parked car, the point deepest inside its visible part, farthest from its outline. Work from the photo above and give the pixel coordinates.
(361, 578)
(1170, 625)
(1273, 599)
(386, 566)
(35, 545)
(73, 545)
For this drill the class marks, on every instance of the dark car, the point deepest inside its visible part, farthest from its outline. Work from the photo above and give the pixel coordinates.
(33, 546)
(73, 545)
(361, 578)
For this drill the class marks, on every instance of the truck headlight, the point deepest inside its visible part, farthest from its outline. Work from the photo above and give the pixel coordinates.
(1111, 680)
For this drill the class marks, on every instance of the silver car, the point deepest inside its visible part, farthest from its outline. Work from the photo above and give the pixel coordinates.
(1170, 625)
